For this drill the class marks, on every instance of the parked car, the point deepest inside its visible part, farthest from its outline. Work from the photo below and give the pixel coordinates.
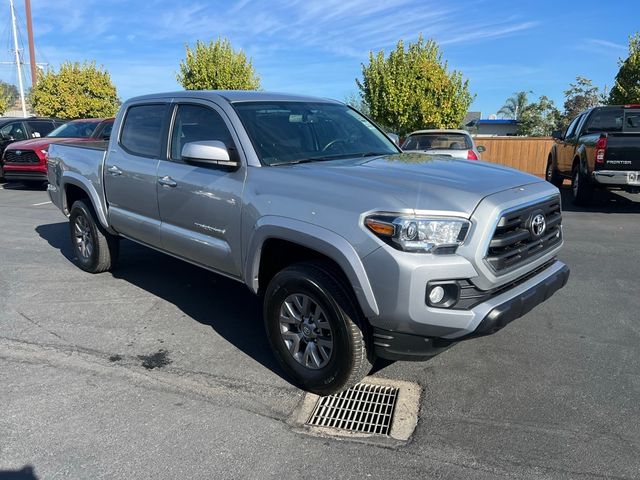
(26, 160)
(14, 129)
(599, 149)
(452, 143)
(359, 250)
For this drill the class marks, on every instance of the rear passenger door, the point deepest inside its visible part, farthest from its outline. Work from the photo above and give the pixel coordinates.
(131, 168)
(200, 205)
(567, 146)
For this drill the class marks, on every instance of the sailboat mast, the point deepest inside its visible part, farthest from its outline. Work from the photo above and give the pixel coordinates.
(18, 63)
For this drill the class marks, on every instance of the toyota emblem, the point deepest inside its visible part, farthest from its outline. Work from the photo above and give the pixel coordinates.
(538, 225)
(18, 152)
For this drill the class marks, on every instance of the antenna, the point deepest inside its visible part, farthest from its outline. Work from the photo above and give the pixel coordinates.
(18, 63)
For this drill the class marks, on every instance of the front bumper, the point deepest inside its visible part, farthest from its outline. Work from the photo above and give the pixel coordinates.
(19, 175)
(623, 178)
(496, 314)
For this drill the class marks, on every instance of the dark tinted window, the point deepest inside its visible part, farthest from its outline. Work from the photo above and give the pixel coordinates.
(605, 120)
(43, 127)
(80, 129)
(13, 131)
(437, 141)
(571, 129)
(142, 130)
(194, 123)
(632, 121)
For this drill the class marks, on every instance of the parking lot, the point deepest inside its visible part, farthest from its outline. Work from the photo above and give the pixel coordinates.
(161, 370)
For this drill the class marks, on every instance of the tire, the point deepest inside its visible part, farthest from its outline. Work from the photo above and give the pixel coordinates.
(339, 323)
(553, 176)
(581, 187)
(96, 250)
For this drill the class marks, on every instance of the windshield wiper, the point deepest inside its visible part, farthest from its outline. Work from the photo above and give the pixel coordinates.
(329, 157)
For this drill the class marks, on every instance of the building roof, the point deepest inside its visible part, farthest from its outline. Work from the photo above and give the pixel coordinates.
(497, 121)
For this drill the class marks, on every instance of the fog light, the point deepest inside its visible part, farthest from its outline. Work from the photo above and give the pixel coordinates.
(436, 295)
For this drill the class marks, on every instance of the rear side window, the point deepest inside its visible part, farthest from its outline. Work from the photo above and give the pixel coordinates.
(632, 121)
(606, 120)
(142, 130)
(43, 127)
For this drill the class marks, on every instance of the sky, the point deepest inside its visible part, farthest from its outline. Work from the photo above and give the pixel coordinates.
(317, 47)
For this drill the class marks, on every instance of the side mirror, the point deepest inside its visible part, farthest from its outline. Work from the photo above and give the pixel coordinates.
(35, 134)
(481, 148)
(208, 152)
(395, 138)
(556, 134)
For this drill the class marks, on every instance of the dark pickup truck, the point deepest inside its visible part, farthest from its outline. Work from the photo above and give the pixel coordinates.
(599, 149)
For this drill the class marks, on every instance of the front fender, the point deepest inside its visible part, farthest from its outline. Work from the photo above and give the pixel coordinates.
(316, 238)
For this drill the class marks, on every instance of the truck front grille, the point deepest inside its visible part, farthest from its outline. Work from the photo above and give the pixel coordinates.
(519, 238)
(25, 156)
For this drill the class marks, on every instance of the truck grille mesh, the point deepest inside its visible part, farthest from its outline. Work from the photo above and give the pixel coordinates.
(362, 408)
(26, 156)
(513, 242)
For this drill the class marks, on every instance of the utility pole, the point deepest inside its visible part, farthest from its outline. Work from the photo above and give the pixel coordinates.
(18, 63)
(32, 49)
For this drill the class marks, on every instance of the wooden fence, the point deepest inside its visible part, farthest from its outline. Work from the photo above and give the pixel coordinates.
(528, 154)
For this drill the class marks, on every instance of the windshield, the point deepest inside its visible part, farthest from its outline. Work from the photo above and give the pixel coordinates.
(74, 130)
(437, 141)
(293, 132)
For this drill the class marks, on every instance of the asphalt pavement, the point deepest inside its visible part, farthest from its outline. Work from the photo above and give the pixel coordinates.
(161, 370)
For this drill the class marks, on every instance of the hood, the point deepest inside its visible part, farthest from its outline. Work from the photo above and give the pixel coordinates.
(38, 143)
(419, 181)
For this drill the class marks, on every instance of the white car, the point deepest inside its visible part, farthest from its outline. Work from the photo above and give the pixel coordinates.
(453, 143)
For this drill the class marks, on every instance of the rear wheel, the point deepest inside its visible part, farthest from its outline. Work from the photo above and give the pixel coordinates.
(315, 328)
(553, 176)
(96, 250)
(581, 187)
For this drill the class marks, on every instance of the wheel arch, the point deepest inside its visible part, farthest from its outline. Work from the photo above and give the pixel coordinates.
(76, 187)
(290, 239)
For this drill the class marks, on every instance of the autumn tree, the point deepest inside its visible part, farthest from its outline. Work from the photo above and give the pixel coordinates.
(217, 66)
(539, 119)
(412, 88)
(580, 96)
(76, 90)
(626, 89)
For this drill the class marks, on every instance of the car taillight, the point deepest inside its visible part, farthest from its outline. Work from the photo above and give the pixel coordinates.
(601, 146)
(471, 155)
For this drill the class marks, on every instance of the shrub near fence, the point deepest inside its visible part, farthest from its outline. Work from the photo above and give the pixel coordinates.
(528, 154)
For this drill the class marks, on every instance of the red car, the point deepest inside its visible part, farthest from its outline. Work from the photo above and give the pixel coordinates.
(25, 161)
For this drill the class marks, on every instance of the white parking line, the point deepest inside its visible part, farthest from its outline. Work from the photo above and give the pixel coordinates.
(42, 203)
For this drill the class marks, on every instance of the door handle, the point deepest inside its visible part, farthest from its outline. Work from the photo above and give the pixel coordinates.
(114, 170)
(167, 181)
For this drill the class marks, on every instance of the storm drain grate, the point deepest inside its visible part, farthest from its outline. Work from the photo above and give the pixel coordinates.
(363, 408)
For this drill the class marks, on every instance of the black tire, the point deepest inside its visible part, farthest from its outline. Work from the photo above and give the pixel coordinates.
(350, 359)
(553, 176)
(581, 187)
(104, 247)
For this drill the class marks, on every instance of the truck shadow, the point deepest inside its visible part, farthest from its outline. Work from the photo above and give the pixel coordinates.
(223, 304)
(603, 202)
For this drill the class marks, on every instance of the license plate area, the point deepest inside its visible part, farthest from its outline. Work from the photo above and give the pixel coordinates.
(633, 178)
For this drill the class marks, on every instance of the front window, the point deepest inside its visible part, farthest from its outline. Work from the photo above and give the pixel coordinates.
(74, 130)
(294, 132)
(437, 141)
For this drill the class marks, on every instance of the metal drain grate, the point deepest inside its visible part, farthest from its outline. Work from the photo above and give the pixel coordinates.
(363, 408)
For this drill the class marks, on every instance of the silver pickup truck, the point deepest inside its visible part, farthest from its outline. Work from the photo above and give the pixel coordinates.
(359, 250)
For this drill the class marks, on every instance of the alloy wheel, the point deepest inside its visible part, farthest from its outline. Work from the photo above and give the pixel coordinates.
(83, 237)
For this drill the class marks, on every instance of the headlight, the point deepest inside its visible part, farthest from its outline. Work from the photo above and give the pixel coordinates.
(419, 234)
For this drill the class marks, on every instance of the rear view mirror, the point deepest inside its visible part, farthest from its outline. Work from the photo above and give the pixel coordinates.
(481, 148)
(208, 152)
(395, 138)
(557, 134)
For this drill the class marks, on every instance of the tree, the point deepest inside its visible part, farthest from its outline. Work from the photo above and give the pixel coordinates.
(580, 96)
(412, 88)
(626, 88)
(539, 119)
(75, 91)
(217, 66)
(4, 102)
(356, 101)
(9, 91)
(514, 105)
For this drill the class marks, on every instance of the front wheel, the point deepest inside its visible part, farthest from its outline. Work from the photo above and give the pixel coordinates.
(96, 250)
(315, 328)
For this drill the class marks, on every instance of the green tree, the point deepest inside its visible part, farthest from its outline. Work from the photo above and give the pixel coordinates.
(539, 119)
(580, 96)
(626, 88)
(9, 91)
(217, 66)
(4, 102)
(77, 90)
(356, 101)
(412, 88)
(514, 105)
